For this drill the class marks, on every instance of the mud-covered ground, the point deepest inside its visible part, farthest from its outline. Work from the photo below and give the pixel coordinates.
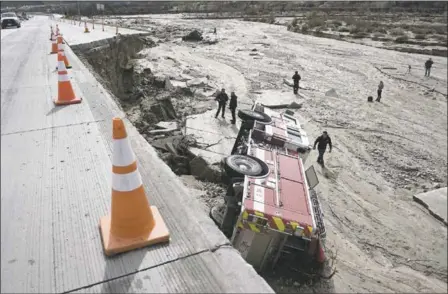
(383, 152)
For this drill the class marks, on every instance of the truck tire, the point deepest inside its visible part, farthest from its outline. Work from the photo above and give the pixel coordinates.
(246, 114)
(245, 165)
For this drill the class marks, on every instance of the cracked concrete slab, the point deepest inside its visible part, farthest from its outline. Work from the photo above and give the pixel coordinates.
(214, 135)
(209, 156)
(436, 203)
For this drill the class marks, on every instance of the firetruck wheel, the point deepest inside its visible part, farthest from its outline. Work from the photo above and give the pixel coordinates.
(246, 114)
(242, 165)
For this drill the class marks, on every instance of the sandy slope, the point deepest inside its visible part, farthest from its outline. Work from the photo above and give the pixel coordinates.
(383, 152)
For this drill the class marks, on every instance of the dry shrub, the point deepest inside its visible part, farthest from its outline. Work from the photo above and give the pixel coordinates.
(378, 35)
(420, 37)
(360, 35)
(440, 29)
(397, 32)
(381, 30)
(294, 22)
(355, 30)
(336, 23)
(401, 39)
(316, 22)
(422, 31)
(304, 28)
(311, 15)
(439, 37)
(343, 30)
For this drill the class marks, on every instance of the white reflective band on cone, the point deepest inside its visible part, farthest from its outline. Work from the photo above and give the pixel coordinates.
(126, 182)
(122, 153)
(61, 65)
(61, 47)
(63, 78)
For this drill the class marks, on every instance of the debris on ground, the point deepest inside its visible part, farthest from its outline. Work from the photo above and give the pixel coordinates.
(193, 36)
(332, 93)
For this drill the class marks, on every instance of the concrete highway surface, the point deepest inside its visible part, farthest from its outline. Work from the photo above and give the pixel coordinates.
(56, 184)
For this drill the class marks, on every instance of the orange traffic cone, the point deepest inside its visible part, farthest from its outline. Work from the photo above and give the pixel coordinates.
(133, 223)
(54, 47)
(65, 90)
(61, 49)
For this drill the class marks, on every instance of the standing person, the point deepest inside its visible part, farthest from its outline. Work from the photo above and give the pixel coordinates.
(321, 143)
(296, 78)
(222, 99)
(232, 106)
(380, 90)
(409, 70)
(428, 65)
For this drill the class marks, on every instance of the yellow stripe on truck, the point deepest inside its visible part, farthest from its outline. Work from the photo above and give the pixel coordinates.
(259, 214)
(310, 229)
(253, 227)
(294, 225)
(279, 223)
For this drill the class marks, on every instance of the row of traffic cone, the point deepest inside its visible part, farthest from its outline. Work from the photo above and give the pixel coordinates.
(133, 222)
(66, 95)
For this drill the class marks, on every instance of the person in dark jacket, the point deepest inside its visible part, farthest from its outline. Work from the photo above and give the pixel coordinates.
(232, 106)
(322, 141)
(380, 90)
(428, 65)
(296, 78)
(222, 99)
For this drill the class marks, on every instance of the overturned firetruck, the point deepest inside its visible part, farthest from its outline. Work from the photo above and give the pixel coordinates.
(271, 212)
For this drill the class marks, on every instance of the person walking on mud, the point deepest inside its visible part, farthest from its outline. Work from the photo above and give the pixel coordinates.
(232, 106)
(380, 90)
(409, 70)
(428, 65)
(322, 141)
(296, 78)
(222, 99)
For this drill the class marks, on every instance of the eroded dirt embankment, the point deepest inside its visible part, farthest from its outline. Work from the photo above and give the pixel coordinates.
(153, 104)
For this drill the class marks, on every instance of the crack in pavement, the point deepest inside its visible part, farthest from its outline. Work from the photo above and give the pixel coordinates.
(52, 127)
(212, 250)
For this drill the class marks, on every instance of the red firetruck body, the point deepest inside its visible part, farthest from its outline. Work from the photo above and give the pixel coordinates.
(271, 211)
